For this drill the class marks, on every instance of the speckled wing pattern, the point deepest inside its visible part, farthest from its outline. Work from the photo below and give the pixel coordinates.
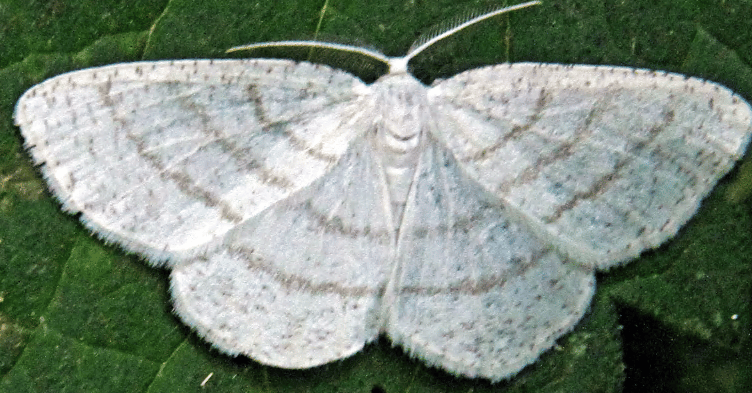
(164, 157)
(476, 291)
(603, 162)
(299, 285)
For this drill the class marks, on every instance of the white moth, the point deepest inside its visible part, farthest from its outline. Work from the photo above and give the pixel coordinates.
(303, 212)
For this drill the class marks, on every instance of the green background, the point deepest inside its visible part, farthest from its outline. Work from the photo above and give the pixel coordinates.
(79, 315)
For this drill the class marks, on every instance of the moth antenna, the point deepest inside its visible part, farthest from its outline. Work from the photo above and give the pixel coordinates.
(396, 64)
(376, 55)
(445, 30)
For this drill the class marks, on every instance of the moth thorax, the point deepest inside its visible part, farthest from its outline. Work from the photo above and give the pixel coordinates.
(403, 115)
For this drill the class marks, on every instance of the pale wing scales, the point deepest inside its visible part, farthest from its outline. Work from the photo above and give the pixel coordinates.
(604, 162)
(300, 284)
(478, 293)
(163, 157)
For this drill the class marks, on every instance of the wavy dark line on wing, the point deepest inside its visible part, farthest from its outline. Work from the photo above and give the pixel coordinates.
(293, 282)
(295, 142)
(605, 182)
(186, 184)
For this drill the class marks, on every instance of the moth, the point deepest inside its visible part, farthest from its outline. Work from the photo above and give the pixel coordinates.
(303, 212)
